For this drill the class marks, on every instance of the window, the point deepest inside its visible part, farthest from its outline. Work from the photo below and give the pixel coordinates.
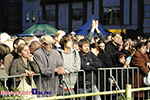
(77, 14)
(33, 16)
(147, 11)
(50, 15)
(111, 16)
(39, 15)
(27, 17)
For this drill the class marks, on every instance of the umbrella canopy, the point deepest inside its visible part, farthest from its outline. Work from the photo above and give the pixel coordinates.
(40, 28)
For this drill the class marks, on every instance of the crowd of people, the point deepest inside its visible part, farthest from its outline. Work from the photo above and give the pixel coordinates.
(66, 54)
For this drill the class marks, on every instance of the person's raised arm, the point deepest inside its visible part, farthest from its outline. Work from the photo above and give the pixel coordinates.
(90, 35)
(100, 35)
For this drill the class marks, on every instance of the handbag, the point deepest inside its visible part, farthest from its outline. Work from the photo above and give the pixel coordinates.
(26, 88)
(146, 79)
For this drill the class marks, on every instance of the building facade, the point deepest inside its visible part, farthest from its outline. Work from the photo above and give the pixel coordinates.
(31, 13)
(70, 15)
(132, 15)
(11, 16)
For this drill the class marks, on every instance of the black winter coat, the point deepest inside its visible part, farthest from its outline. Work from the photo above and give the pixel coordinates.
(112, 50)
(94, 64)
(106, 60)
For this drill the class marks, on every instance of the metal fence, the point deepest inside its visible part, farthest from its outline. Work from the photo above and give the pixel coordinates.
(109, 80)
(120, 77)
(13, 77)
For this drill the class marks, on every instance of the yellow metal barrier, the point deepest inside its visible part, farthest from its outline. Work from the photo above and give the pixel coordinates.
(128, 92)
(80, 95)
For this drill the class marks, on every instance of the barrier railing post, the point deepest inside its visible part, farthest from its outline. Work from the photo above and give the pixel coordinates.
(128, 92)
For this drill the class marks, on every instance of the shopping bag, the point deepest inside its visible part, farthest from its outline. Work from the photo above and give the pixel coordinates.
(26, 89)
(146, 79)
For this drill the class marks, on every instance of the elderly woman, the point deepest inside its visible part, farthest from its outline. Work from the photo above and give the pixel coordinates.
(24, 64)
(140, 60)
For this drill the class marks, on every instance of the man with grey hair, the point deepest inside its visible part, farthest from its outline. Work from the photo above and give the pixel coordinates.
(50, 64)
(34, 45)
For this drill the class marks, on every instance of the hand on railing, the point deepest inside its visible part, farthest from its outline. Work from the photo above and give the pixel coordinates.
(24, 74)
(112, 82)
(60, 71)
(99, 68)
(31, 74)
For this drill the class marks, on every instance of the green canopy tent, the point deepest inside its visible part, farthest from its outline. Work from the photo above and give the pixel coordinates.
(39, 29)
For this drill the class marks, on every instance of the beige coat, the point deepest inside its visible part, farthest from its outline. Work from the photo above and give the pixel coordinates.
(18, 66)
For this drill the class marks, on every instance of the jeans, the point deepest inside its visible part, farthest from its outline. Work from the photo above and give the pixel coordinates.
(89, 90)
